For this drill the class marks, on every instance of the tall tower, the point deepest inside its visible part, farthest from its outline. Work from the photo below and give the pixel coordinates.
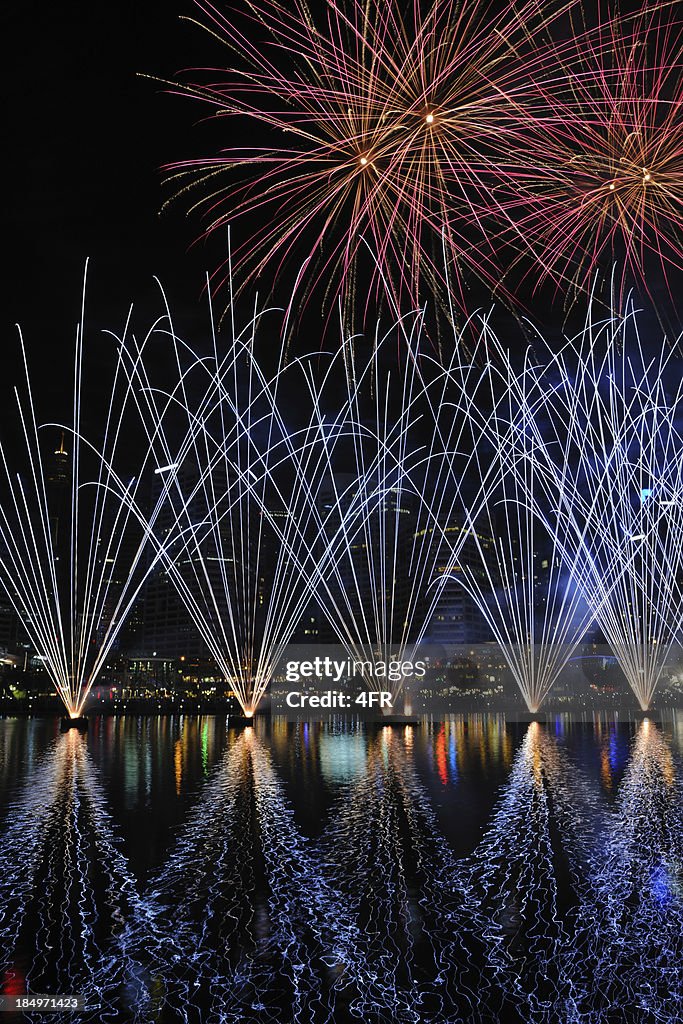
(58, 483)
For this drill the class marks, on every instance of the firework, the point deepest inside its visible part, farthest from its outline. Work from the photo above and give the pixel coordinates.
(380, 125)
(607, 445)
(604, 176)
(70, 553)
(396, 504)
(235, 522)
(516, 572)
(257, 519)
(577, 511)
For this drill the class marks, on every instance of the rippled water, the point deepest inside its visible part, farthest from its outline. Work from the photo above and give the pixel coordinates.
(472, 870)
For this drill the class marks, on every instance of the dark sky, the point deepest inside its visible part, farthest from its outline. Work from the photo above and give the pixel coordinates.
(84, 139)
(87, 137)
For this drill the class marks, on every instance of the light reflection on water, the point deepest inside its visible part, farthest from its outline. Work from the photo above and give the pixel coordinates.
(467, 870)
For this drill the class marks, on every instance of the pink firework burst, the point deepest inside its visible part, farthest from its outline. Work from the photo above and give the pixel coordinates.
(603, 175)
(385, 133)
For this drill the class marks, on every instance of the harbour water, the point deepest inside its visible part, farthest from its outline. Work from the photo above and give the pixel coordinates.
(476, 869)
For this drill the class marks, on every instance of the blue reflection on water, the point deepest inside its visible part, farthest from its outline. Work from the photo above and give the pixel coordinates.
(659, 883)
(453, 758)
(569, 908)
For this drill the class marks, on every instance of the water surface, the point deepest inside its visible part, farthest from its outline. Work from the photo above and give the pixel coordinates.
(477, 869)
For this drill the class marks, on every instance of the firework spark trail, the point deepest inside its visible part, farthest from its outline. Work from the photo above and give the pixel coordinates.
(397, 876)
(380, 124)
(66, 885)
(547, 817)
(594, 475)
(606, 440)
(238, 442)
(604, 177)
(412, 451)
(537, 617)
(628, 948)
(242, 492)
(74, 597)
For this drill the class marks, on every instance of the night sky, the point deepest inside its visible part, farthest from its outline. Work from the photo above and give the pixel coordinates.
(85, 137)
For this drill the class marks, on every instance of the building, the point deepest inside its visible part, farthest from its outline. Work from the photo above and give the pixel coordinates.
(222, 576)
(456, 618)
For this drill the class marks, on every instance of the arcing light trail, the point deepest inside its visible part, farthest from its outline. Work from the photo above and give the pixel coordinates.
(365, 503)
(71, 563)
(243, 485)
(578, 459)
(238, 503)
(588, 449)
(532, 604)
(401, 490)
(607, 446)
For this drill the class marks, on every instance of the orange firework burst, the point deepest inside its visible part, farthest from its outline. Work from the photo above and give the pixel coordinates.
(380, 126)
